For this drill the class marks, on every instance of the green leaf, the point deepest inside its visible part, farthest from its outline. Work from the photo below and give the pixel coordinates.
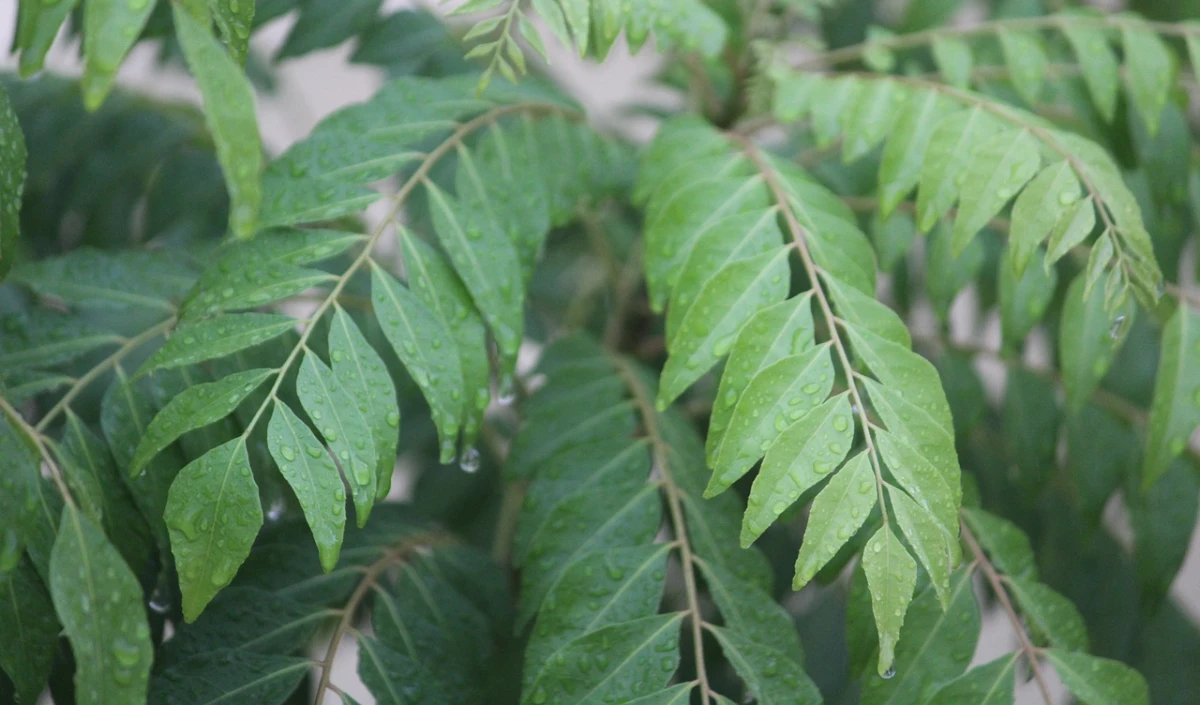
(712, 324)
(1175, 411)
(892, 576)
(1100, 450)
(427, 350)
(999, 167)
(435, 283)
(892, 237)
(37, 27)
(1024, 298)
(1026, 62)
(99, 602)
(772, 678)
(839, 510)
(1150, 71)
(752, 613)
(212, 677)
(362, 373)
(1005, 544)
(12, 182)
(1088, 340)
(870, 116)
(488, 265)
(310, 472)
(910, 133)
(194, 408)
(1163, 519)
(88, 278)
(831, 98)
(777, 397)
(213, 514)
(42, 338)
(935, 645)
(1098, 63)
(341, 421)
(953, 59)
(1072, 228)
(878, 57)
(235, 19)
(1050, 616)
(946, 161)
(770, 335)
(989, 684)
(644, 659)
(229, 113)
(1042, 204)
(803, 455)
(1099, 681)
(110, 28)
(928, 539)
(28, 631)
(217, 337)
(1031, 422)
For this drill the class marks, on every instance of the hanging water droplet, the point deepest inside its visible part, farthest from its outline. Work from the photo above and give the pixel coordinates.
(1118, 325)
(508, 391)
(470, 460)
(275, 511)
(890, 673)
(159, 604)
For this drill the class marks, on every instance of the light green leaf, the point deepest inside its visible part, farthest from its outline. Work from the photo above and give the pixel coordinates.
(433, 281)
(99, 602)
(229, 113)
(772, 678)
(712, 324)
(803, 455)
(839, 510)
(777, 397)
(234, 18)
(362, 373)
(1005, 544)
(928, 539)
(1099, 681)
(770, 335)
(892, 237)
(1024, 298)
(867, 312)
(487, 263)
(1026, 62)
(891, 575)
(110, 28)
(1042, 204)
(213, 515)
(12, 181)
(1175, 411)
(1149, 69)
(217, 337)
(340, 419)
(194, 408)
(831, 99)
(1087, 344)
(427, 351)
(28, 631)
(910, 132)
(1050, 616)
(999, 167)
(1101, 71)
(310, 472)
(622, 677)
(946, 160)
(37, 26)
(953, 59)
(923, 481)
(1072, 228)
(877, 56)
(735, 238)
(870, 117)
(989, 684)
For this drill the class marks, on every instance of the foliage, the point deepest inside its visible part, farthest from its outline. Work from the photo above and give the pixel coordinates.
(872, 341)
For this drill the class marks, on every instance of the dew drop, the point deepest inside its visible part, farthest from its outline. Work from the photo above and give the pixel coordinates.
(470, 460)
(890, 673)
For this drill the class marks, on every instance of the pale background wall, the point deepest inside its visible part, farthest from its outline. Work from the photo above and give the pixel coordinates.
(316, 85)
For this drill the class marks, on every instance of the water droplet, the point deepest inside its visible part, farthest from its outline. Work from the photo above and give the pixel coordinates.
(890, 673)
(393, 419)
(275, 511)
(470, 460)
(1118, 326)
(287, 452)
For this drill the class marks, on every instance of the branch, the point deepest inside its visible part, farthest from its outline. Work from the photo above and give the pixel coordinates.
(645, 404)
(39, 441)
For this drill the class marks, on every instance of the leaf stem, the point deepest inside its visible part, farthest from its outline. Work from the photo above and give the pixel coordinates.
(39, 441)
(916, 39)
(993, 578)
(832, 321)
(645, 404)
(103, 366)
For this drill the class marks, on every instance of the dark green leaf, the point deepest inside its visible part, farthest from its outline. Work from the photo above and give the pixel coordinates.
(1175, 412)
(989, 684)
(773, 678)
(1099, 681)
(1088, 340)
(12, 181)
(28, 631)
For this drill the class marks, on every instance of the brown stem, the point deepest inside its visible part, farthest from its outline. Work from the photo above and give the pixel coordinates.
(39, 441)
(993, 578)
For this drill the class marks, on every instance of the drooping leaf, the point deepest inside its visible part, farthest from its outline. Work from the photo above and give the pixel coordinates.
(37, 26)
(1099, 681)
(892, 576)
(946, 159)
(216, 337)
(998, 168)
(28, 631)
(1175, 411)
(309, 470)
(928, 539)
(99, 602)
(110, 28)
(1163, 519)
(1042, 204)
(1088, 340)
(229, 111)
(234, 19)
(196, 407)
(213, 514)
(868, 118)
(839, 510)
